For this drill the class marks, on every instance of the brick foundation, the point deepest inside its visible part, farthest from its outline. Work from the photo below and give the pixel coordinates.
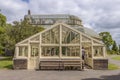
(20, 63)
(100, 64)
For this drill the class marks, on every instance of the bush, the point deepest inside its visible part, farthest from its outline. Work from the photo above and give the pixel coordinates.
(112, 52)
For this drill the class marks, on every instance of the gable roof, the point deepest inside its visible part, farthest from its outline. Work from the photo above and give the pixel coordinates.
(59, 24)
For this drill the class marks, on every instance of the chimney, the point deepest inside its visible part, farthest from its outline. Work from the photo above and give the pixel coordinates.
(29, 13)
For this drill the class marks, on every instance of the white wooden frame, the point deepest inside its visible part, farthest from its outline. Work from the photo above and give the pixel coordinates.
(39, 42)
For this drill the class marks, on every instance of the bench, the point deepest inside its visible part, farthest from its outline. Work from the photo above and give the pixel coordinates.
(62, 64)
(72, 64)
(51, 65)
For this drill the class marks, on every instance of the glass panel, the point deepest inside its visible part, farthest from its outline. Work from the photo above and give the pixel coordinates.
(51, 36)
(26, 51)
(23, 51)
(98, 51)
(36, 38)
(87, 48)
(71, 51)
(95, 42)
(50, 51)
(25, 42)
(20, 51)
(34, 50)
(84, 38)
(69, 36)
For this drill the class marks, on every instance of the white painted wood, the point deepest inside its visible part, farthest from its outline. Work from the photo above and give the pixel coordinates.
(57, 24)
(23, 49)
(80, 46)
(29, 53)
(33, 62)
(60, 47)
(92, 50)
(104, 51)
(40, 46)
(16, 51)
(22, 44)
(49, 44)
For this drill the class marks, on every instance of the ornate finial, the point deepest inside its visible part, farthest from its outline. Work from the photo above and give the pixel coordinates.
(29, 13)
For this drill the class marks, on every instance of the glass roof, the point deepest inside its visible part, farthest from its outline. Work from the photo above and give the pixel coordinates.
(53, 16)
(86, 31)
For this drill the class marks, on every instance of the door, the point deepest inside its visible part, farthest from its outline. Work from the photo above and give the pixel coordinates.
(34, 60)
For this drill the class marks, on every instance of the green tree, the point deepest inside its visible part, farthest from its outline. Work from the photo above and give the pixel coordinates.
(119, 49)
(23, 30)
(115, 48)
(18, 32)
(9, 40)
(107, 39)
(12, 34)
(2, 20)
(2, 31)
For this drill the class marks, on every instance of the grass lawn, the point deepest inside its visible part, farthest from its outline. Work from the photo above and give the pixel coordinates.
(6, 63)
(113, 67)
(116, 57)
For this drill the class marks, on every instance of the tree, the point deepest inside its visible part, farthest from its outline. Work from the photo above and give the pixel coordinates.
(23, 30)
(2, 20)
(12, 34)
(2, 31)
(107, 39)
(9, 41)
(18, 32)
(115, 48)
(119, 49)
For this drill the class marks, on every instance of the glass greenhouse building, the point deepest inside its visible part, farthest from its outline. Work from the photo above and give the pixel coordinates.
(61, 46)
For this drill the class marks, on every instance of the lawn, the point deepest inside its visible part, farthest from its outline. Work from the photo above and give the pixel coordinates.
(116, 57)
(113, 67)
(6, 63)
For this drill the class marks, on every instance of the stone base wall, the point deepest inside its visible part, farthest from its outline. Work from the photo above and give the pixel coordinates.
(100, 64)
(20, 63)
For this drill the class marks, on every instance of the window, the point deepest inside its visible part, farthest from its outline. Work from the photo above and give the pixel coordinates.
(51, 36)
(98, 51)
(84, 38)
(69, 36)
(88, 49)
(23, 51)
(50, 51)
(20, 51)
(34, 50)
(71, 51)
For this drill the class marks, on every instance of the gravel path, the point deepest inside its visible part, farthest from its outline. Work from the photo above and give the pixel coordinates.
(60, 75)
(2, 57)
(116, 62)
(88, 74)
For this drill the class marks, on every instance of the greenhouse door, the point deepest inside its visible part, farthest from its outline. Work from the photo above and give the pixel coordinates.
(34, 58)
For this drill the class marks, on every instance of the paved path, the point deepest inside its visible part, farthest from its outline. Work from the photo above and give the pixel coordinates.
(60, 75)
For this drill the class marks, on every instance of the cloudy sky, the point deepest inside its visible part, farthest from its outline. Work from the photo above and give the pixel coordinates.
(100, 15)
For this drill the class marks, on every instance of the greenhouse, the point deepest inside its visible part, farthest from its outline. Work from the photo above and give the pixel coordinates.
(60, 47)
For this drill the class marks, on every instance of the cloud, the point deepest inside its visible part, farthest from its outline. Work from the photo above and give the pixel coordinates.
(13, 9)
(100, 15)
(27, 1)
